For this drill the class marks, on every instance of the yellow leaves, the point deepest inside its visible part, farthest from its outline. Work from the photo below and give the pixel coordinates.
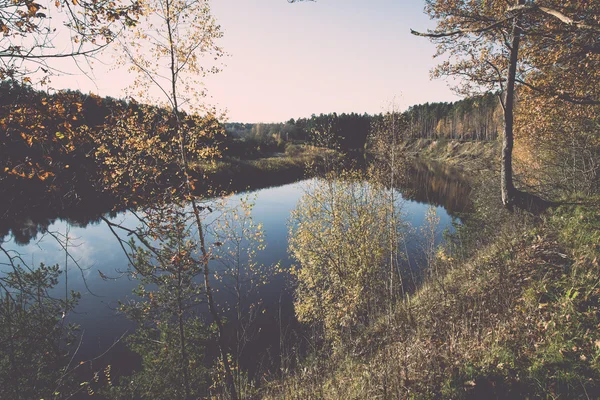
(340, 269)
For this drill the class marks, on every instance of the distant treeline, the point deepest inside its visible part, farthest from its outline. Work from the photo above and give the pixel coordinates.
(346, 131)
(475, 118)
(57, 138)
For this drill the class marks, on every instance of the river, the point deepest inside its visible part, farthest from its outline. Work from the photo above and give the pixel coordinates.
(101, 261)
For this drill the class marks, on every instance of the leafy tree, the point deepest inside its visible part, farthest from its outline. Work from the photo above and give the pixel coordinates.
(31, 31)
(386, 134)
(496, 44)
(179, 33)
(183, 35)
(139, 152)
(238, 239)
(341, 277)
(170, 337)
(560, 142)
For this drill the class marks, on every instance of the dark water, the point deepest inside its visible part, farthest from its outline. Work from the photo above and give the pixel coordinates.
(97, 251)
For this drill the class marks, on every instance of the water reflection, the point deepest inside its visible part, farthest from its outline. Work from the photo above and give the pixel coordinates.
(29, 207)
(437, 184)
(98, 252)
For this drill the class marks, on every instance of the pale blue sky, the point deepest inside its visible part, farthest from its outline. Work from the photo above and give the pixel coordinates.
(291, 60)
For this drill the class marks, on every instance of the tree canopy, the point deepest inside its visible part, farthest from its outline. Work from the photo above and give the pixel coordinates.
(33, 33)
(497, 45)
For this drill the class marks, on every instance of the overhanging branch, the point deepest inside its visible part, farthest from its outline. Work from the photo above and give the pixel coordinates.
(557, 14)
(461, 31)
(512, 11)
(586, 101)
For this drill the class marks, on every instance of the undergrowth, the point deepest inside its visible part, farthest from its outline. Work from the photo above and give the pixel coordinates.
(514, 312)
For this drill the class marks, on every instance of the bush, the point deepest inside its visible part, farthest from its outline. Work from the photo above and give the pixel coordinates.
(294, 150)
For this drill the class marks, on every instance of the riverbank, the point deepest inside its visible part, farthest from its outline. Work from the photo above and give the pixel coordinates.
(517, 318)
(235, 174)
(470, 155)
(510, 309)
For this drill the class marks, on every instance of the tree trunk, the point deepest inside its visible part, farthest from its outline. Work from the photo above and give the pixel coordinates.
(222, 344)
(182, 138)
(184, 362)
(507, 186)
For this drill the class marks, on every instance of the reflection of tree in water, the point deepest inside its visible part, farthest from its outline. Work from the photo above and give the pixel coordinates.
(28, 212)
(28, 209)
(436, 184)
(26, 228)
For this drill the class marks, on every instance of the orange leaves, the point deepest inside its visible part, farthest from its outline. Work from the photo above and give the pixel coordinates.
(35, 139)
(26, 30)
(33, 8)
(43, 175)
(29, 171)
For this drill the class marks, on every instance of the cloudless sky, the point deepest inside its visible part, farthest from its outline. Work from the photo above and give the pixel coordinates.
(292, 60)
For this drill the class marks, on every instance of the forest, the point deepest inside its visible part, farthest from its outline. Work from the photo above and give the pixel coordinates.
(152, 249)
(473, 118)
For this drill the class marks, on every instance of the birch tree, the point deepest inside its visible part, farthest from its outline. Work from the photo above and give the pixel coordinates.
(344, 279)
(168, 56)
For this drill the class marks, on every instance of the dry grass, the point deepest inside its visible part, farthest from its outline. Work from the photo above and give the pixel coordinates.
(517, 319)
(468, 154)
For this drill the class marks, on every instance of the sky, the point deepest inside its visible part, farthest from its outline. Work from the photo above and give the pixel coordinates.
(292, 60)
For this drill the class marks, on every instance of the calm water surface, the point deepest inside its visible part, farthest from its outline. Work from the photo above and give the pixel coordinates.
(97, 251)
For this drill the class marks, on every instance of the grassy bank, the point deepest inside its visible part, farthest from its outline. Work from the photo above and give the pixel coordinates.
(473, 155)
(233, 174)
(511, 310)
